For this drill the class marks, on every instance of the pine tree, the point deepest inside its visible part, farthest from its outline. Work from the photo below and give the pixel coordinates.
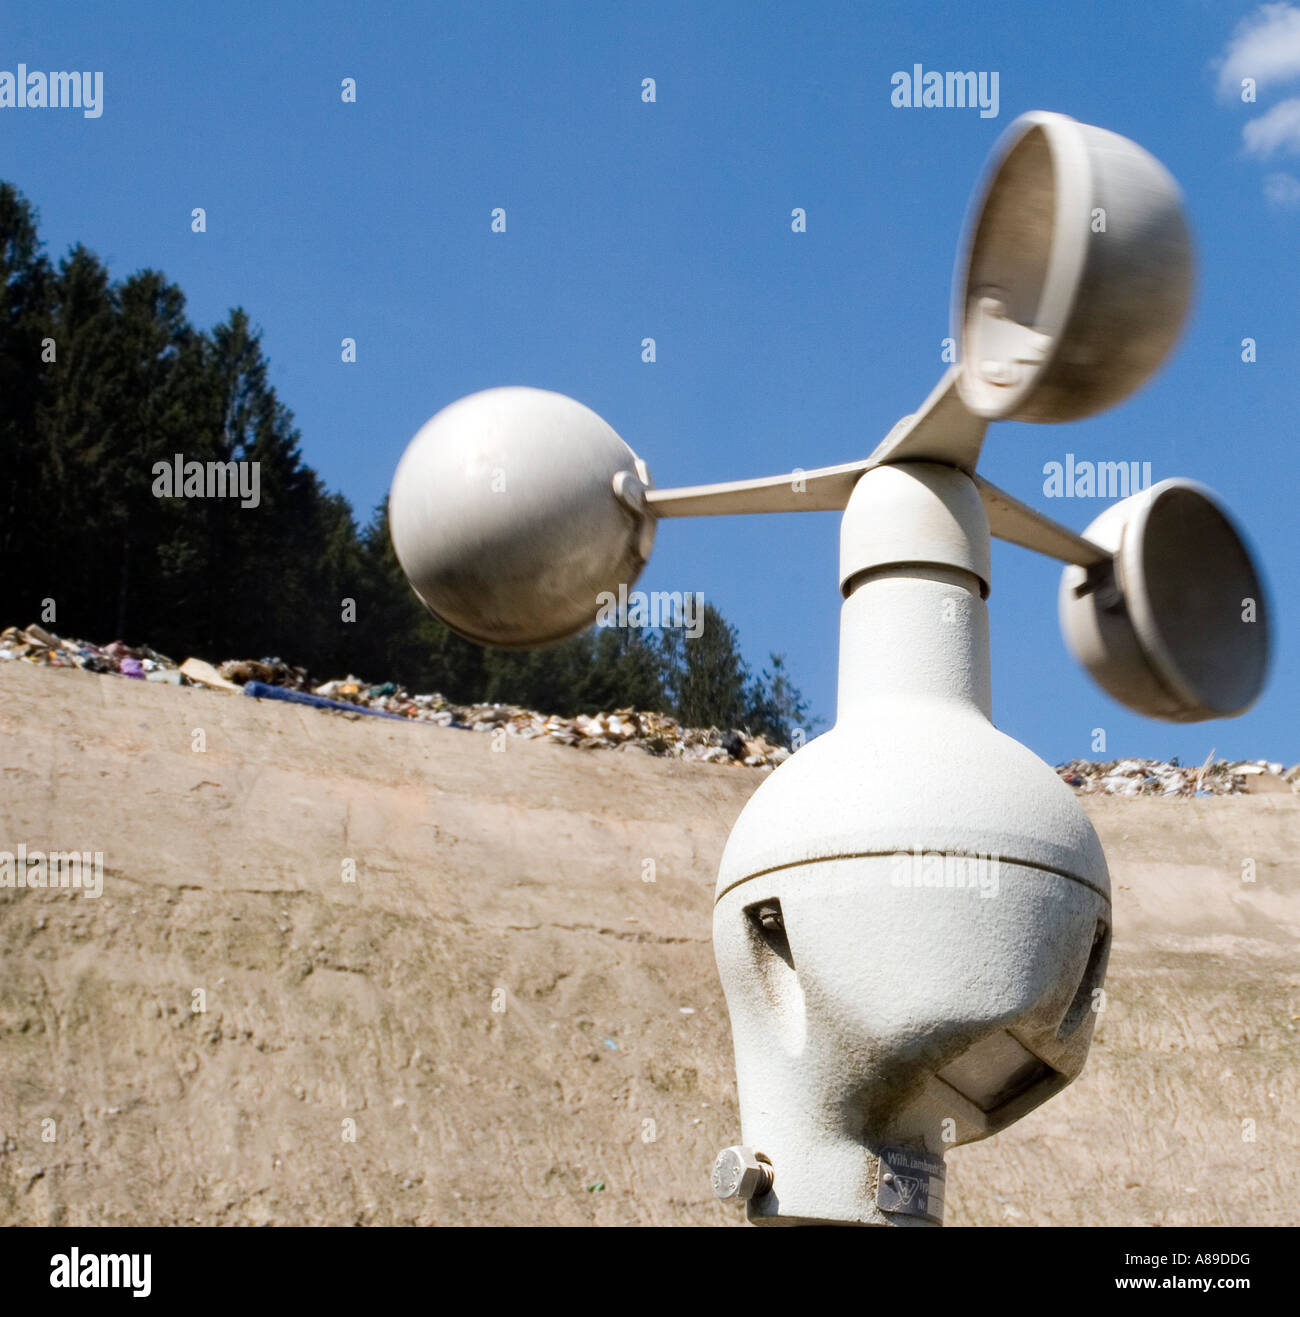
(24, 323)
(707, 675)
(776, 707)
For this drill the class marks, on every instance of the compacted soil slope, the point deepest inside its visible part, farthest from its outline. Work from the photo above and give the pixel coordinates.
(442, 983)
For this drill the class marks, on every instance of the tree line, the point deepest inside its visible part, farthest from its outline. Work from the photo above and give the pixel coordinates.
(102, 379)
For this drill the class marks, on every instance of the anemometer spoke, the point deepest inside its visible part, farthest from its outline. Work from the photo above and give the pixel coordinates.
(1018, 523)
(826, 489)
(941, 430)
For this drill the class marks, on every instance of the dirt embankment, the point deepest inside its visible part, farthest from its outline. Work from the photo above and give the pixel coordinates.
(490, 1023)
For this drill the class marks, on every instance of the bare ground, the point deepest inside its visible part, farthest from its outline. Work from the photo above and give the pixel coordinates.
(516, 880)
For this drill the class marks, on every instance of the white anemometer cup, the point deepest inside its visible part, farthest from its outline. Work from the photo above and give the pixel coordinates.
(1076, 275)
(912, 915)
(504, 516)
(1174, 624)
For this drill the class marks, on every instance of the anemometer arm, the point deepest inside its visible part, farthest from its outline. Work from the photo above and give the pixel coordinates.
(1018, 523)
(826, 489)
(942, 430)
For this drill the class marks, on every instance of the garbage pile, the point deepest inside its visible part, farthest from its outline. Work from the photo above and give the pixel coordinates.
(1151, 777)
(37, 645)
(623, 729)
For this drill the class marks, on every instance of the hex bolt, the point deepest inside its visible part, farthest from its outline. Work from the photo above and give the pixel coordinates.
(741, 1173)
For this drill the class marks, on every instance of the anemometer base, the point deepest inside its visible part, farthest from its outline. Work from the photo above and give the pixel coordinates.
(912, 911)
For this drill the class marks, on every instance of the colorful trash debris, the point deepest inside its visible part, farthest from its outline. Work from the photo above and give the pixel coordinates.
(626, 730)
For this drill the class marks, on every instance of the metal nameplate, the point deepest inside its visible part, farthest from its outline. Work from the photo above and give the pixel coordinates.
(910, 1183)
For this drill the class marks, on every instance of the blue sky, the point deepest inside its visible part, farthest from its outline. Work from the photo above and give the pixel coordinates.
(671, 220)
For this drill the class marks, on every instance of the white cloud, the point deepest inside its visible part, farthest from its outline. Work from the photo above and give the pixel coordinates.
(1282, 190)
(1265, 46)
(1279, 129)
